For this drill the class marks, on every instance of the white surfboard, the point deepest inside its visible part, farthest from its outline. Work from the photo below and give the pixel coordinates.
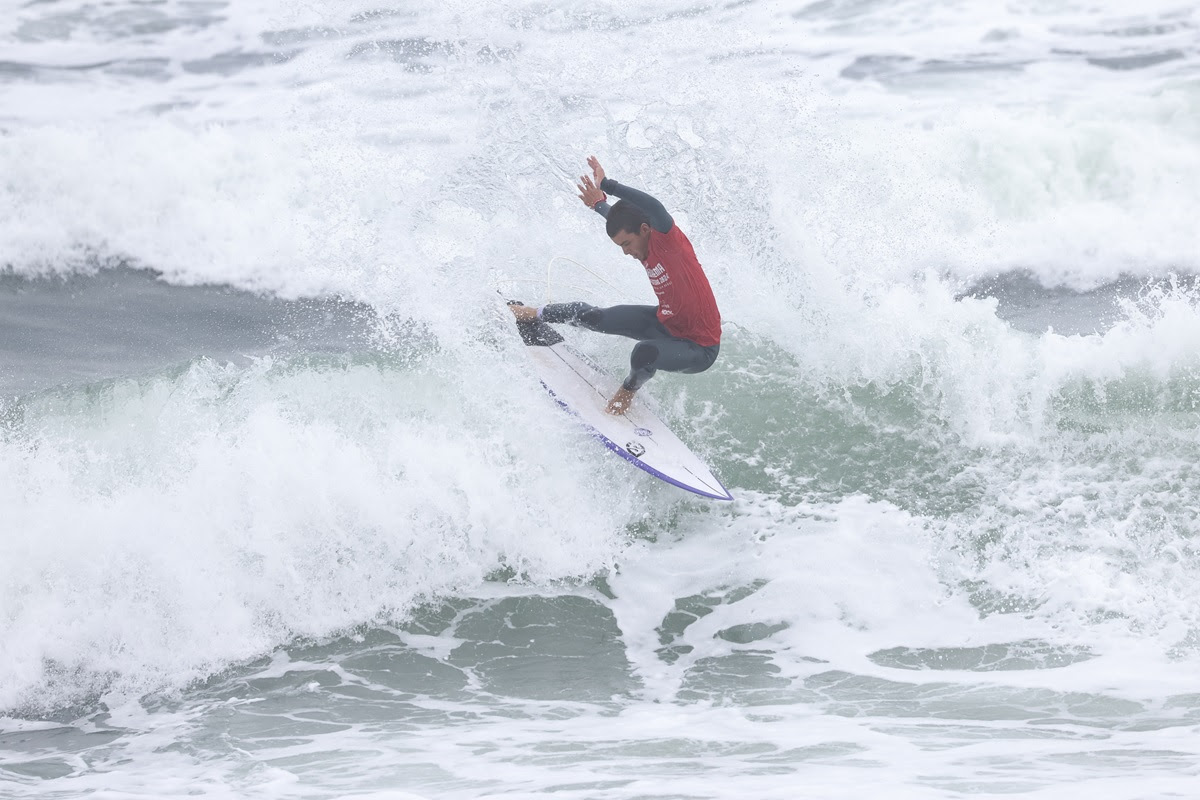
(638, 436)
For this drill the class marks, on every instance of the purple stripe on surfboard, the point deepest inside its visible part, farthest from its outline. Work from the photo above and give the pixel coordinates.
(632, 459)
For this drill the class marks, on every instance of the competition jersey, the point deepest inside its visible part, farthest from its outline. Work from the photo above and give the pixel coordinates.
(686, 306)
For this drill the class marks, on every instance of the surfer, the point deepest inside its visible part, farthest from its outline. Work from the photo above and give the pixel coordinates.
(683, 332)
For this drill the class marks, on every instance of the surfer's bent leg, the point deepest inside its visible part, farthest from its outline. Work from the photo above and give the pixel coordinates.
(634, 322)
(670, 354)
(657, 348)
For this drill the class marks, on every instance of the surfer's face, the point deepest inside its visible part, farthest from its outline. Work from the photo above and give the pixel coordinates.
(634, 244)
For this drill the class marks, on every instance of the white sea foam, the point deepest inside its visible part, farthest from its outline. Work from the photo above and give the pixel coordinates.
(265, 180)
(157, 530)
(842, 713)
(845, 170)
(870, 198)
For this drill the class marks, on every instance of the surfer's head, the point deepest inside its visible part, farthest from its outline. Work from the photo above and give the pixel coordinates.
(629, 227)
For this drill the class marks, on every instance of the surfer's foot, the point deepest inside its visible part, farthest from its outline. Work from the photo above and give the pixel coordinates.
(523, 313)
(620, 401)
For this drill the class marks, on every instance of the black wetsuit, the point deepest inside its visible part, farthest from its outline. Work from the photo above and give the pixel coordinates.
(657, 348)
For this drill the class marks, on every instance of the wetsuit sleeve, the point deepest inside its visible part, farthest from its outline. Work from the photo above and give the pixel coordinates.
(660, 220)
(602, 208)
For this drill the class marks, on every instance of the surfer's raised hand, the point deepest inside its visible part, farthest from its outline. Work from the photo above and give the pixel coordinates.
(597, 170)
(589, 192)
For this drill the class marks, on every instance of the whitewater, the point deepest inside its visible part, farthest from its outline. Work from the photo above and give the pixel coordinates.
(284, 512)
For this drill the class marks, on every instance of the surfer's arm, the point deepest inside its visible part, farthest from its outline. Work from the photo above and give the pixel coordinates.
(660, 220)
(592, 191)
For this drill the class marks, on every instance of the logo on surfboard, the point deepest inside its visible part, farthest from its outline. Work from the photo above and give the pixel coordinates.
(635, 449)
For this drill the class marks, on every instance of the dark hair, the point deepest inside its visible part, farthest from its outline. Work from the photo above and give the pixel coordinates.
(625, 217)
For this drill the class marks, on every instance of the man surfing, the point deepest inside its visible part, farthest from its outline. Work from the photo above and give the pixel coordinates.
(683, 332)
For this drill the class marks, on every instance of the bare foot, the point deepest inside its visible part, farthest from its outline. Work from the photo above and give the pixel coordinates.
(620, 401)
(524, 313)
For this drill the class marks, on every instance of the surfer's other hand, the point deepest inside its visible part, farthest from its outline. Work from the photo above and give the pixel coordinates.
(620, 401)
(597, 170)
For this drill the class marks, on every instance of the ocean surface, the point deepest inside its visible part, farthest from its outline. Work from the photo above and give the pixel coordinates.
(285, 514)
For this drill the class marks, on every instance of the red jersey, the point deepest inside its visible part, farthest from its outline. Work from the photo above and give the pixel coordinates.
(686, 306)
